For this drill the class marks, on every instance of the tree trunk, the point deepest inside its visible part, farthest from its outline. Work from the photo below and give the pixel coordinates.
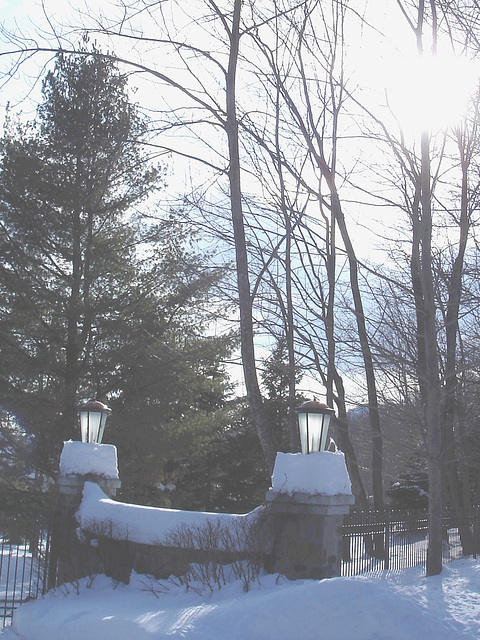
(377, 452)
(72, 349)
(433, 425)
(449, 407)
(264, 428)
(345, 444)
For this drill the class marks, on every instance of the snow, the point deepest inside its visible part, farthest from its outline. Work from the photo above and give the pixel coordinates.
(323, 473)
(84, 458)
(392, 606)
(146, 525)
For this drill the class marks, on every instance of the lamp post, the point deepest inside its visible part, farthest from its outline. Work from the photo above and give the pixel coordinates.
(313, 423)
(93, 417)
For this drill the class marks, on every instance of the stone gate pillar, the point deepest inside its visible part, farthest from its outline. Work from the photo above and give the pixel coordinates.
(309, 497)
(79, 462)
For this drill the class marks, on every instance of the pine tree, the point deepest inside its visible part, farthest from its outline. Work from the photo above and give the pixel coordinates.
(93, 301)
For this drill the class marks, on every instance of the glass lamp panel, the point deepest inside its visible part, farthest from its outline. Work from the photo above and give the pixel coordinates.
(103, 422)
(303, 429)
(90, 425)
(315, 424)
(84, 425)
(326, 424)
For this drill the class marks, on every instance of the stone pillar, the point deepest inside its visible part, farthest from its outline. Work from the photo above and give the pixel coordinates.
(308, 500)
(71, 488)
(82, 461)
(79, 462)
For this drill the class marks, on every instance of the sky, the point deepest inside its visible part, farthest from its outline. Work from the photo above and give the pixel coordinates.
(391, 606)
(375, 61)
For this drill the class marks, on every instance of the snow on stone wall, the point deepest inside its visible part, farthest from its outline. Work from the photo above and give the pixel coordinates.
(146, 525)
(322, 473)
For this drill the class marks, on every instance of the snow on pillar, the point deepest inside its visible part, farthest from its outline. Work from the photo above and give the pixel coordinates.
(309, 497)
(82, 461)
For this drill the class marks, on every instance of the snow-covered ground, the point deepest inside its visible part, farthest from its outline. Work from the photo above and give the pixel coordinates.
(403, 606)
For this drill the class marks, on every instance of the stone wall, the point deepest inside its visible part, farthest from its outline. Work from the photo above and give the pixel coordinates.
(298, 534)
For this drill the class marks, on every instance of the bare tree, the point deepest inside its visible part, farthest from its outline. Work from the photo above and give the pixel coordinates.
(305, 81)
(436, 280)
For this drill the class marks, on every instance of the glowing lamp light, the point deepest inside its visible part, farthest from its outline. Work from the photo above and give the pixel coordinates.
(93, 417)
(313, 423)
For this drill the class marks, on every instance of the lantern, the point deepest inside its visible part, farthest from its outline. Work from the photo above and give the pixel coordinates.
(93, 417)
(313, 423)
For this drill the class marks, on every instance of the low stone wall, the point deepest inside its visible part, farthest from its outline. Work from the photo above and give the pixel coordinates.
(297, 534)
(117, 558)
(96, 534)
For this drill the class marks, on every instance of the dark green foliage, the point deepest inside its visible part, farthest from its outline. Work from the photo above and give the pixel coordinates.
(67, 249)
(95, 299)
(274, 376)
(173, 397)
(410, 491)
(22, 490)
(227, 473)
(19, 498)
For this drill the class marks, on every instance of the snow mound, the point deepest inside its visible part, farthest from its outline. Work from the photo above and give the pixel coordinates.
(146, 525)
(322, 473)
(388, 607)
(85, 458)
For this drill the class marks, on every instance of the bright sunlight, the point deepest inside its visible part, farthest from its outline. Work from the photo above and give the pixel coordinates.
(431, 92)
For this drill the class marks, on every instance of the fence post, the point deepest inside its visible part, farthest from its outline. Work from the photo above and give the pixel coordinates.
(387, 539)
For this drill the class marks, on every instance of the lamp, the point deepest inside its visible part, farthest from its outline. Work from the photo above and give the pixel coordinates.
(93, 417)
(313, 423)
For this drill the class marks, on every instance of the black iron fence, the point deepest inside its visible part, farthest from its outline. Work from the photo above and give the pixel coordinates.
(24, 562)
(375, 541)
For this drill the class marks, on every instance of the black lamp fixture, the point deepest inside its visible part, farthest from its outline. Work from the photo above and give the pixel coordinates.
(93, 417)
(313, 422)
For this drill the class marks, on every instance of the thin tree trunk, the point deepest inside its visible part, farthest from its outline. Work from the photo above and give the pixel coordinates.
(72, 348)
(449, 407)
(292, 420)
(345, 444)
(433, 426)
(377, 442)
(264, 428)
(294, 438)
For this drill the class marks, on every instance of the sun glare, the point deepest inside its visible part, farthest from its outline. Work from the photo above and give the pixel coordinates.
(431, 92)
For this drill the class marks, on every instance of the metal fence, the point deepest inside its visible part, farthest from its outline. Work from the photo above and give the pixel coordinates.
(24, 562)
(375, 541)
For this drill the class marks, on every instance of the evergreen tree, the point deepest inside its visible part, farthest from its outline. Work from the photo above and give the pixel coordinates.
(227, 472)
(275, 377)
(93, 303)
